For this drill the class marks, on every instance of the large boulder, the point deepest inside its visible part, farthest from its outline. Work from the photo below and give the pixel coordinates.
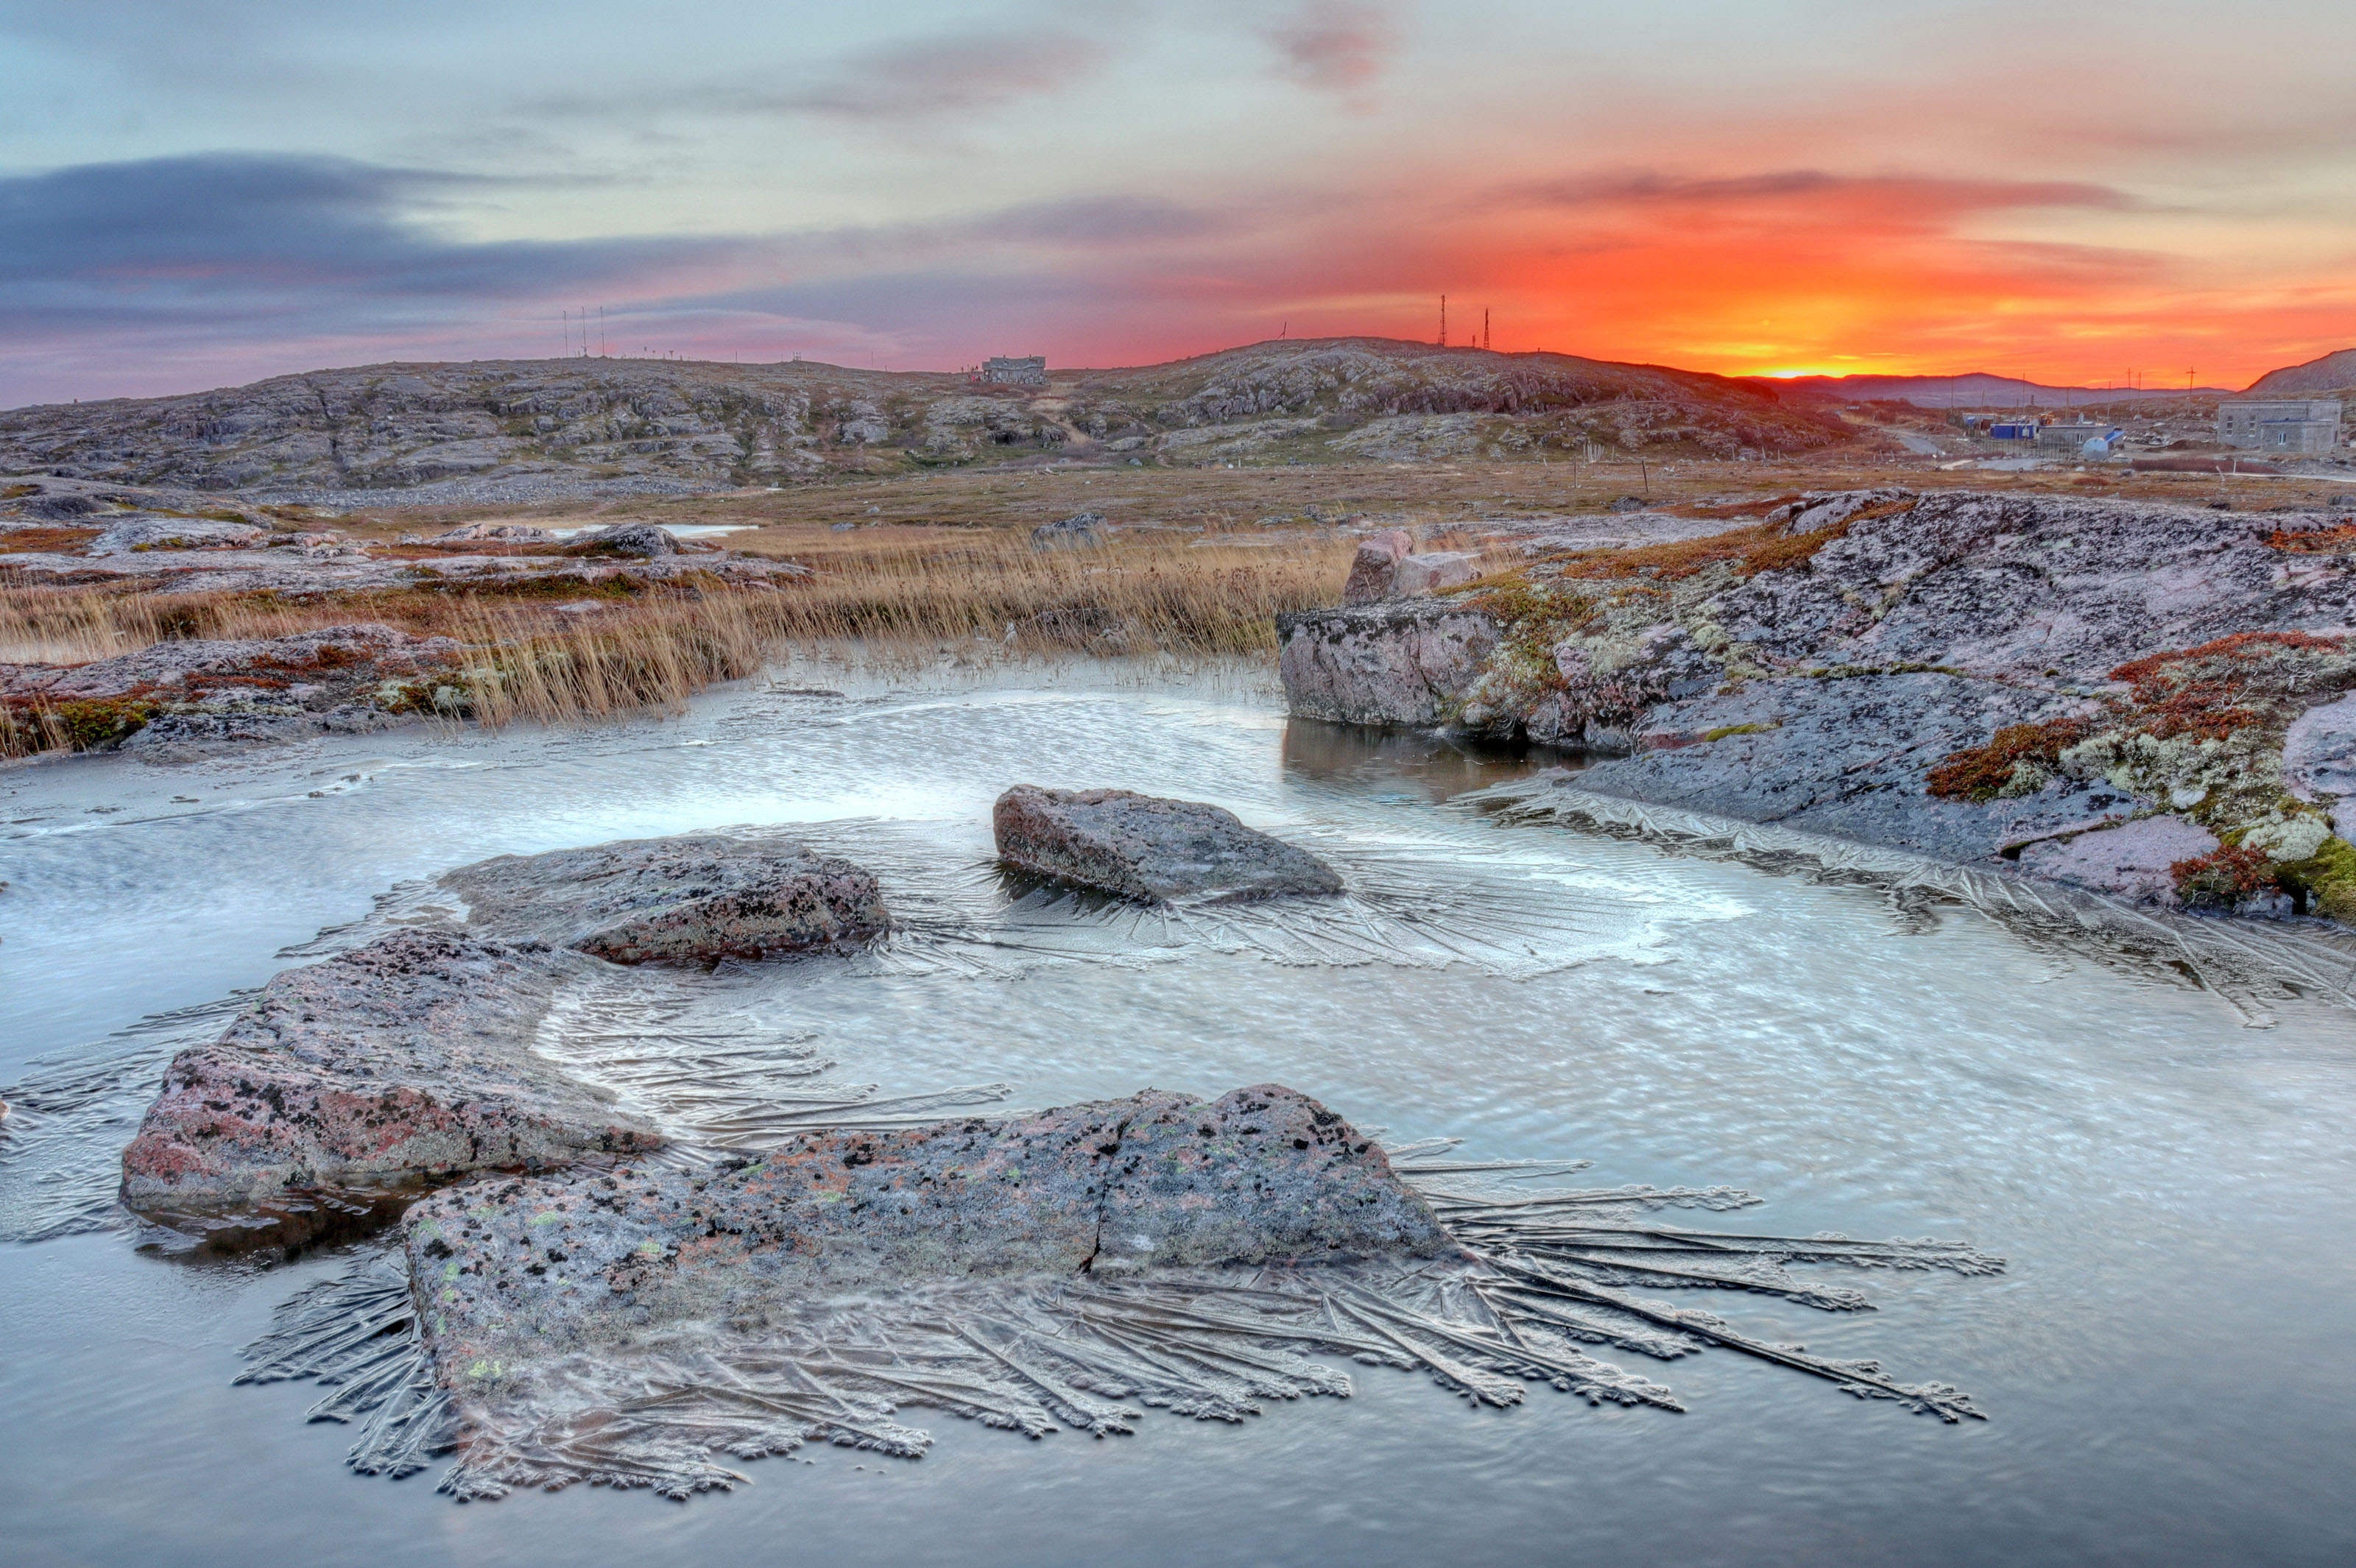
(1410, 662)
(642, 539)
(1147, 849)
(397, 1064)
(530, 1268)
(697, 898)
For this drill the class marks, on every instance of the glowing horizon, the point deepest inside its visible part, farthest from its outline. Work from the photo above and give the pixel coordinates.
(198, 197)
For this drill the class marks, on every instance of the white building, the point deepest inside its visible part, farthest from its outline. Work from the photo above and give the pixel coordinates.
(2284, 424)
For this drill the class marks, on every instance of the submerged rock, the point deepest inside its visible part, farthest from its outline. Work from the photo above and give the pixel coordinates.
(1144, 847)
(532, 1267)
(405, 1061)
(695, 898)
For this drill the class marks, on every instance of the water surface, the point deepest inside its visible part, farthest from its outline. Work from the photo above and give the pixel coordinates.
(2164, 1362)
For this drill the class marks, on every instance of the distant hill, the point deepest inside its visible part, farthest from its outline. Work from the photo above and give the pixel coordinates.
(2332, 373)
(495, 429)
(1975, 390)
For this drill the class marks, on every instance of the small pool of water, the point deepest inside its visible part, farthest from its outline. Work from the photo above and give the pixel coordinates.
(2164, 1362)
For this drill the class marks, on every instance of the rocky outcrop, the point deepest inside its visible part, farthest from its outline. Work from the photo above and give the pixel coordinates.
(142, 533)
(399, 1063)
(198, 691)
(1149, 849)
(695, 899)
(531, 1268)
(1972, 676)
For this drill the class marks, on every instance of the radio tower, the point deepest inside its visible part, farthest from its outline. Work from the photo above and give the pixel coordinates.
(1443, 320)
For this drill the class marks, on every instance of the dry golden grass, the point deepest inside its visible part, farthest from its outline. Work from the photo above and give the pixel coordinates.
(885, 594)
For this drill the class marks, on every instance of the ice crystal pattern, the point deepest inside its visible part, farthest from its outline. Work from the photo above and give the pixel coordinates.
(1550, 1275)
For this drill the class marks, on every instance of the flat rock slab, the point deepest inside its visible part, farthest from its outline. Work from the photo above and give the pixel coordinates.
(692, 899)
(507, 1270)
(402, 1062)
(1847, 757)
(1144, 847)
(331, 658)
(2130, 861)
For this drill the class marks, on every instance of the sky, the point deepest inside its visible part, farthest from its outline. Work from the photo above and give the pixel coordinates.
(199, 193)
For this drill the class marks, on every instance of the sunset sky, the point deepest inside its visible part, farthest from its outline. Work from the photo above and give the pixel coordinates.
(200, 192)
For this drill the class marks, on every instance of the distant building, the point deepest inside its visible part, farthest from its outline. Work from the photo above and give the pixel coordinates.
(2291, 424)
(1010, 372)
(2072, 439)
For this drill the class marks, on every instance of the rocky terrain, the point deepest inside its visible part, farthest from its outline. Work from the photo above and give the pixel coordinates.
(2144, 700)
(527, 429)
(410, 1061)
(2333, 372)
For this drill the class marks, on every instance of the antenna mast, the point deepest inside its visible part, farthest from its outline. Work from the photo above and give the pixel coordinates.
(1443, 320)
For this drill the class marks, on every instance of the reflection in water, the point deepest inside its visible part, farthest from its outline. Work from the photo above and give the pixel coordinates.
(1436, 767)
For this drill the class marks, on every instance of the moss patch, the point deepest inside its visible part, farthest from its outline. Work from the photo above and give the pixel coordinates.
(2324, 884)
(1980, 773)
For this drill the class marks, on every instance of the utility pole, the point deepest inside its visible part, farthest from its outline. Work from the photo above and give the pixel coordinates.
(1487, 343)
(1443, 320)
(2188, 380)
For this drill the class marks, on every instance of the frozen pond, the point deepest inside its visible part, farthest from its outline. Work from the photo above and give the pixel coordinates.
(2164, 1363)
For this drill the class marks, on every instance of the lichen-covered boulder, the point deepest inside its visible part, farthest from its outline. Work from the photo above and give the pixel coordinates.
(1144, 847)
(402, 1062)
(533, 1267)
(696, 897)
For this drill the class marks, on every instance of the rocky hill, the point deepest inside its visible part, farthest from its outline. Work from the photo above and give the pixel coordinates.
(2332, 373)
(517, 430)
